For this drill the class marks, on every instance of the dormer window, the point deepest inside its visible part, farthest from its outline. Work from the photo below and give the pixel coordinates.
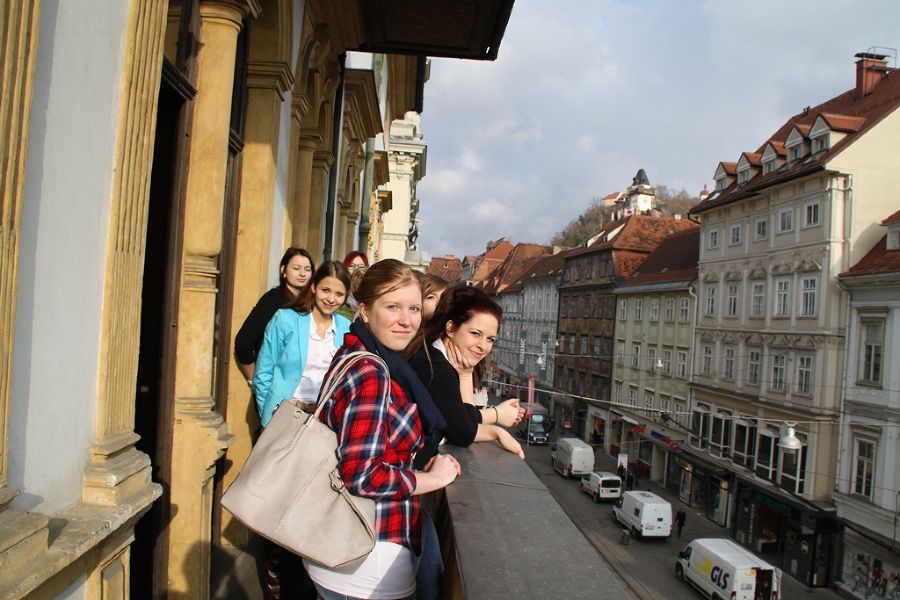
(796, 153)
(744, 176)
(721, 184)
(820, 144)
(796, 143)
(768, 167)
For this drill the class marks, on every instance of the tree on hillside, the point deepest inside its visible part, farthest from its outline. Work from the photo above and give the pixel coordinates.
(580, 229)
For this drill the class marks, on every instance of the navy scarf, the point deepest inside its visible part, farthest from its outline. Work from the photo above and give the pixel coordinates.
(433, 423)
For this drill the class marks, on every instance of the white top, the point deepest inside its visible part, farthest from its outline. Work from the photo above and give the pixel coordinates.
(320, 351)
(386, 574)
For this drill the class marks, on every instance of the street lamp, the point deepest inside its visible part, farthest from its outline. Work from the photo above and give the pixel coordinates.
(789, 442)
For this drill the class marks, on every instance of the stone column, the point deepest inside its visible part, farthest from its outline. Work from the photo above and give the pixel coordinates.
(199, 435)
(318, 187)
(267, 84)
(300, 204)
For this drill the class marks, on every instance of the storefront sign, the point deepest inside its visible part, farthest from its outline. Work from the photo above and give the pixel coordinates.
(773, 504)
(658, 436)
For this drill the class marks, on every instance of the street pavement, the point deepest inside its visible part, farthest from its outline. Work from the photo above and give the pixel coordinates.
(645, 567)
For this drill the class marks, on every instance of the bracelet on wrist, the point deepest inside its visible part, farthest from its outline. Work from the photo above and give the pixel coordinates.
(496, 415)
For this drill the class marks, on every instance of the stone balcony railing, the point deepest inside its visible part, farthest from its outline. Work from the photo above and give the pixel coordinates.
(504, 536)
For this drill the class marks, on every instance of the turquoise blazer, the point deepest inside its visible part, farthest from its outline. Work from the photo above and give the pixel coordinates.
(282, 358)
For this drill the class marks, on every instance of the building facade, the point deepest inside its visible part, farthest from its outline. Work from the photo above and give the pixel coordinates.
(587, 315)
(648, 412)
(770, 336)
(868, 474)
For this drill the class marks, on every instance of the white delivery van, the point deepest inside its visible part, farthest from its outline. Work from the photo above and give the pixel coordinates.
(571, 456)
(645, 513)
(602, 485)
(722, 569)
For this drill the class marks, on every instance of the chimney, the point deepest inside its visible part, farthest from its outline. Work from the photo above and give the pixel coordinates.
(870, 70)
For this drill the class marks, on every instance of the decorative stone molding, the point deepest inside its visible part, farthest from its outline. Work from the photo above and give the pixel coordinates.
(710, 277)
(707, 336)
(730, 338)
(782, 269)
(753, 339)
(270, 75)
(733, 275)
(808, 265)
(758, 272)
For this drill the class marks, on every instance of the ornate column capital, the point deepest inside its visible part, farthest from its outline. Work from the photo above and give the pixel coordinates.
(270, 75)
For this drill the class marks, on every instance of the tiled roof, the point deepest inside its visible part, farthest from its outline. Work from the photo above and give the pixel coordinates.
(446, 267)
(730, 168)
(878, 261)
(546, 267)
(675, 259)
(517, 263)
(636, 232)
(851, 113)
(894, 218)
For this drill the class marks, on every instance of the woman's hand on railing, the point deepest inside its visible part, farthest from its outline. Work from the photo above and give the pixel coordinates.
(509, 443)
(509, 412)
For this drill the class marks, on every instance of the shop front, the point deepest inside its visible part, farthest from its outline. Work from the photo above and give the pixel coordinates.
(701, 485)
(597, 421)
(869, 570)
(795, 536)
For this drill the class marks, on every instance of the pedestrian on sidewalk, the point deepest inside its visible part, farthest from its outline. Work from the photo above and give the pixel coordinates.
(621, 471)
(680, 517)
(629, 480)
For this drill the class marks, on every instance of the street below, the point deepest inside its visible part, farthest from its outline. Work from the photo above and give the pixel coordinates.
(645, 567)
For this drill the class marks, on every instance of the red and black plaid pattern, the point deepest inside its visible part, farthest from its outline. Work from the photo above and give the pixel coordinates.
(376, 445)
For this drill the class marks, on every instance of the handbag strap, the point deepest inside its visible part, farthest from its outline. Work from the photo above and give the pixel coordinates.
(338, 373)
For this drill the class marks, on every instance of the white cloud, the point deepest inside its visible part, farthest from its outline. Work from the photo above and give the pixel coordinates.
(585, 93)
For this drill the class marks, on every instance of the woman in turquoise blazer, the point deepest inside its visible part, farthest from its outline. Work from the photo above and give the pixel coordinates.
(285, 348)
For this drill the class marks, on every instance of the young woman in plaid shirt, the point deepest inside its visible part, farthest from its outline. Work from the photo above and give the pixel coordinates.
(377, 441)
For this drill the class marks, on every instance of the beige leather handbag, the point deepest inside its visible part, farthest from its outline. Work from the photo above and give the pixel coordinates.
(290, 491)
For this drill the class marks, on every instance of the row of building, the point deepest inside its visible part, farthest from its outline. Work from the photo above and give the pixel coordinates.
(741, 356)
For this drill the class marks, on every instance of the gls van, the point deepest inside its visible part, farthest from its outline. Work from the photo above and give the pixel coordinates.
(602, 485)
(645, 513)
(722, 569)
(572, 456)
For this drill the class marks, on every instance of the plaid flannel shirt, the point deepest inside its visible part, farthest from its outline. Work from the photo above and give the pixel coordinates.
(376, 446)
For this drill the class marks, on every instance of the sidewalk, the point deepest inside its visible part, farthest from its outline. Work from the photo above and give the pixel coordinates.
(697, 526)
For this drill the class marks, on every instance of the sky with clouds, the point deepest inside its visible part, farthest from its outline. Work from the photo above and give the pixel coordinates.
(586, 92)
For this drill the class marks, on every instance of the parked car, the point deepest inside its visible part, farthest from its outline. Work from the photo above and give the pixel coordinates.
(535, 427)
(644, 513)
(721, 568)
(572, 457)
(602, 485)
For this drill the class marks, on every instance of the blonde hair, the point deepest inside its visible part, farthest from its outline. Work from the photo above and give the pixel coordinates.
(382, 278)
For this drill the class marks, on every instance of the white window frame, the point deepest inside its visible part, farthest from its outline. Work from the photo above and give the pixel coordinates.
(804, 383)
(654, 309)
(651, 358)
(766, 439)
(706, 361)
(620, 354)
(809, 296)
(871, 351)
(782, 297)
(709, 303)
(862, 482)
(760, 235)
(681, 363)
(743, 454)
(684, 310)
(779, 371)
(638, 309)
(699, 436)
(786, 220)
(814, 219)
(632, 396)
(648, 402)
(731, 303)
(720, 434)
(792, 468)
(667, 360)
(758, 299)
(623, 309)
(735, 234)
(728, 362)
(754, 366)
(635, 356)
(712, 239)
(670, 310)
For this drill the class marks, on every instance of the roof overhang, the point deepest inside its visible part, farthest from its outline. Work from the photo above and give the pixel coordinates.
(467, 29)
